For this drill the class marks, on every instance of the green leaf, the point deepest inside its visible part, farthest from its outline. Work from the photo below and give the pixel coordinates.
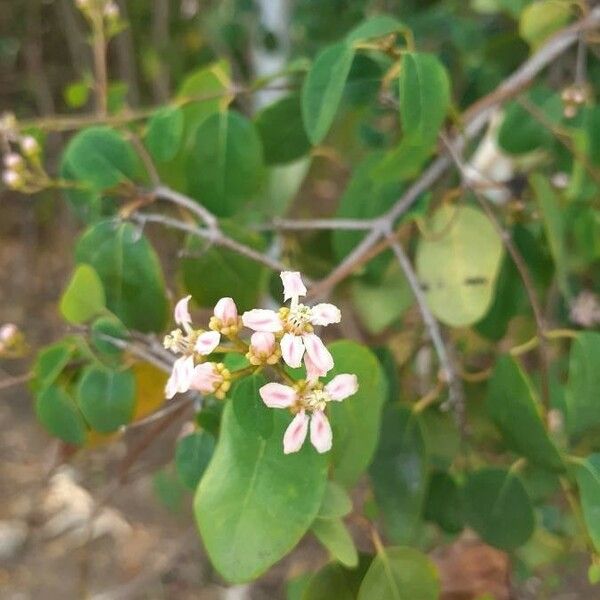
(332, 533)
(282, 132)
(583, 406)
(365, 197)
(444, 504)
(512, 405)
(204, 92)
(554, 226)
(498, 508)
(336, 502)
(424, 97)
(192, 456)
(336, 581)
(399, 473)
(50, 363)
(100, 158)
(106, 397)
(57, 412)
(225, 167)
(130, 272)
(111, 327)
(379, 306)
(254, 503)
(405, 161)
(355, 421)
(77, 93)
(400, 574)
(520, 132)
(587, 472)
(84, 297)
(376, 27)
(458, 263)
(211, 274)
(250, 411)
(541, 19)
(323, 89)
(165, 133)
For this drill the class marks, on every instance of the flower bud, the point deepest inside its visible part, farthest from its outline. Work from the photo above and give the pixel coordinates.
(11, 179)
(226, 311)
(263, 349)
(29, 145)
(111, 10)
(13, 160)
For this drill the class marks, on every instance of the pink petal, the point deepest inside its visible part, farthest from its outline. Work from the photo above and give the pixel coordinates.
(320, 432)
(312, 373)
(292, 284)
(205, 378)
(292, 349)
(342, 386)
(325, 314)
(226, 310)
(260, 319)
(295, 434)
(182, 313)
(262, 343)
(277, 395)
(207, 342)
(318, 353)
(181, 376)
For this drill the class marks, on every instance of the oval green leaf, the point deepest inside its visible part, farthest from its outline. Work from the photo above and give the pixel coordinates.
(130, 273)
(58, 413)
(106, 398)
(583, 406)
(458, 264)
(225, 167)
(336, 502)
(400, 574)
(498, 508)
(84, 297)
(254, 503)
(323, 89)
(334, 535)
(249, 409)
(399, 473)
(165, 133)
(587, 472)
(512, 405)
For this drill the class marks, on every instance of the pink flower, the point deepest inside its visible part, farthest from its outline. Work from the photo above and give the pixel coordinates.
(211, 378)
(297, 325)
(225, 317)
(312, 399)
(263, 349)
(188, 341)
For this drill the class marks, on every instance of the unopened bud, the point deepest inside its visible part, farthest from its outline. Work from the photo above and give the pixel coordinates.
(29, 145)
(111, 10)
(13, 160)
(11, 179)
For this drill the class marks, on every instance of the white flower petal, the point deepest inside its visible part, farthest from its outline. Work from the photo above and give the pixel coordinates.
(277, 395)
(292, 285)
(321, 436)
(260, 319)
(295, 434)
(206, 378)
(318, 353)
(182, 313)
(325, 314)
(292, 349)
(207, 342)
(342, 386)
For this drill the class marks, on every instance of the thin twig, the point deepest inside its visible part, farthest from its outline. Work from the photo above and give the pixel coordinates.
(16, 380)
(521, 266)
(215, 237)
(314, 224)
(449, 374)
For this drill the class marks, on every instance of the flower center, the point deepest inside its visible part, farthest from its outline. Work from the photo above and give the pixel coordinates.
(297, 320)
(316, 400)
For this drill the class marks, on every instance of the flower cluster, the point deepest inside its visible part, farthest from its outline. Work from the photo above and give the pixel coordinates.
(287, 335)
(22, 165)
